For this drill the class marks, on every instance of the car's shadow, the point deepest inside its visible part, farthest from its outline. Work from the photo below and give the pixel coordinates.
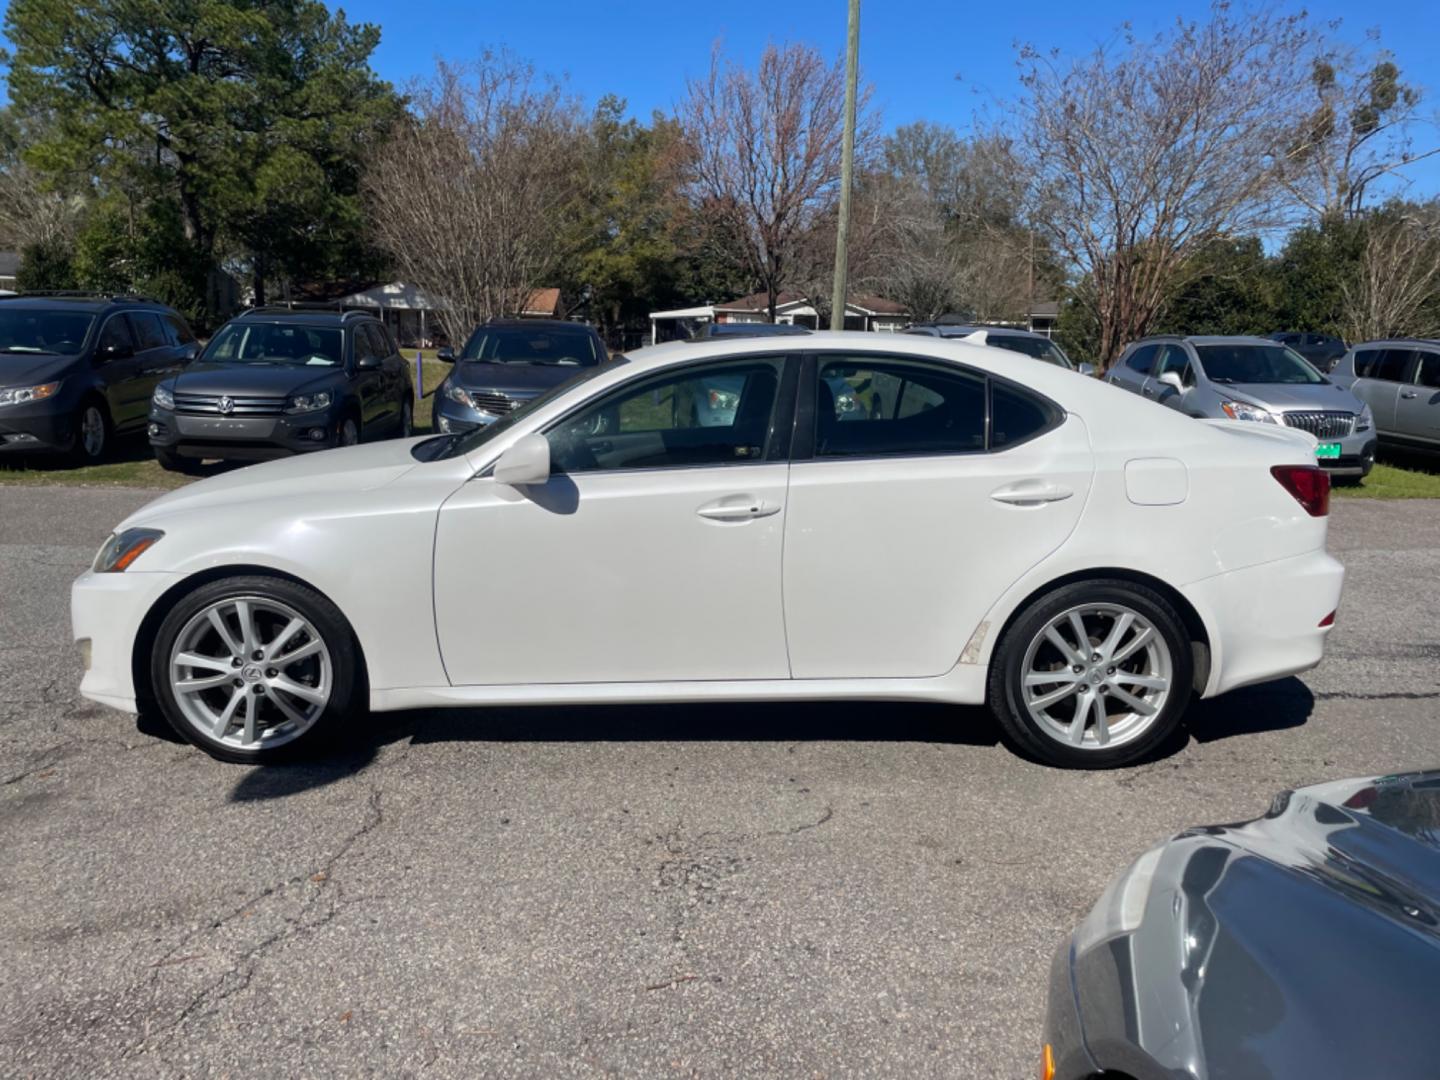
(129, 449)
(1274, 706)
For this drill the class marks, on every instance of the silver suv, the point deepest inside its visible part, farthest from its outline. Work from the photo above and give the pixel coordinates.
(1252, 378)
(1400, 381)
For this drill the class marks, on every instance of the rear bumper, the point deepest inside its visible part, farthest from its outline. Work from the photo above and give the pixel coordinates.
(106, 610)
(1264, 621)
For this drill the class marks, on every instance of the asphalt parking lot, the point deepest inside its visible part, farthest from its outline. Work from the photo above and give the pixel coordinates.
(786, 890)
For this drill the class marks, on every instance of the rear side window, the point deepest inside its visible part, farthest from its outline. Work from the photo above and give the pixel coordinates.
(1016, 416)
(874, 408)
(149, 334)
(1142, 359)
(1429, 370)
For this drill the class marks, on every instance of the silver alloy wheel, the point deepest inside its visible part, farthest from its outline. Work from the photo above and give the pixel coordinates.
(250, 672)
(349, 433)
(92, 431)
(1096, 676)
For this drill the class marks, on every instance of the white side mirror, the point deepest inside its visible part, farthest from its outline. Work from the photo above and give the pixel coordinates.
(527, 462)
(1172, 380)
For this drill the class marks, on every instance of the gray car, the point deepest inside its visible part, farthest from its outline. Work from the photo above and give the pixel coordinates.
(1400, 382)
(1026, 342)
(1302, 944)
(1252, 378)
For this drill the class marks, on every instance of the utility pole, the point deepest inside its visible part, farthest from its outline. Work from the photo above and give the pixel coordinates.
(847, 172)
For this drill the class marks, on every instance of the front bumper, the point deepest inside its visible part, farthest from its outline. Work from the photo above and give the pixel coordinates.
(36, 427)
(107, 610)
(1264, 621)
(243, 438)
(1064, 1035)
(1357, 456)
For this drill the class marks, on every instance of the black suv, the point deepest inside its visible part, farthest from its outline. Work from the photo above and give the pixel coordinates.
(280, 381)
(76, 369)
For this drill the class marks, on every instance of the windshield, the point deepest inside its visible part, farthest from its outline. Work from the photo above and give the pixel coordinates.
(1039, 348)
(447, 446)
(1256, 364)
(247, 342)
(30, 331)
(557, 345)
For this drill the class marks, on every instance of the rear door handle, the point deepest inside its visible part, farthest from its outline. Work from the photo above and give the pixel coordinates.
(1031, 493)
(1408, 394)
(738, 508)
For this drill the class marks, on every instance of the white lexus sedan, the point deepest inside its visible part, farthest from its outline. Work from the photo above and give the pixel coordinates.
(962, 530)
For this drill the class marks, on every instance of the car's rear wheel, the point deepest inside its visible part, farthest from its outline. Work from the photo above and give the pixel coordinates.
(251, 667)
(1092, 675)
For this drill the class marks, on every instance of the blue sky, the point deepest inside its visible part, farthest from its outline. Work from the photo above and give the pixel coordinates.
(927, 59)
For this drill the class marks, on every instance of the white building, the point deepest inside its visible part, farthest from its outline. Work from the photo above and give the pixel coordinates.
(861, 313)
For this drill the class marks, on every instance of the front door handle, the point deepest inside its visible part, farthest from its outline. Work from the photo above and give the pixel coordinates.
(738, 508)
(1031, 493)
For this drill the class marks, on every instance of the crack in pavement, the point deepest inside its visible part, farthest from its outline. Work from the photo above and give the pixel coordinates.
(238, 973)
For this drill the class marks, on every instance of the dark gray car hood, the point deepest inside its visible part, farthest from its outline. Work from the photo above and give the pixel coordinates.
(1291, 396)
(28, 369)
(1305, 943)
(518, 379)
(260, 380)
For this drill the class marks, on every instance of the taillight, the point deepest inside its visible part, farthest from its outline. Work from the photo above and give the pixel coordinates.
(1310, 485)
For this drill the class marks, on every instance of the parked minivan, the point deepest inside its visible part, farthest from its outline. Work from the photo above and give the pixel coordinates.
(1399, 380)
(79, 368)
(1256, 379)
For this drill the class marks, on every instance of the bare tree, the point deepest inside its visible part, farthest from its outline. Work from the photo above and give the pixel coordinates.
(1140, 157)
(32, 210)
(1359, 131)
(1395, 290)
(470, 195)
(766, 152)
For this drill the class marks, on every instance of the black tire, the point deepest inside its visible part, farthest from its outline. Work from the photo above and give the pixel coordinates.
(407, 417)
(1005, 690)
(349, 432)
(173, 462)
(347, 698)
(90, 443)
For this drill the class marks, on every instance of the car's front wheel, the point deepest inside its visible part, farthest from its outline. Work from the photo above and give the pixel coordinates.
(1092, 675)
(250, 667)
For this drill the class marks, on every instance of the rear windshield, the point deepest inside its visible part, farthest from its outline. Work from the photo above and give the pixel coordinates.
(1039, 348)
(552, 345)
(1272, 364)
(31, 331)
(247, 342)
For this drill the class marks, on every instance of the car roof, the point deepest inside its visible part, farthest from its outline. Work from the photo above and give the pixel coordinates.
(305, 316)
(1408, 341)
(88, 303)
(1206, 339)
(965, 329)
(534, 324)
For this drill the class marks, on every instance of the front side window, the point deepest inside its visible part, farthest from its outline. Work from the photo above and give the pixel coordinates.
(1429, 374)
(562, 346)
(1392, 365)
(39, 331)
(180, 332)
(1176, 359)
(1256, 364)
(379, 343)
(713, 415)
(865, 407)
(246, 342)
(117, 336)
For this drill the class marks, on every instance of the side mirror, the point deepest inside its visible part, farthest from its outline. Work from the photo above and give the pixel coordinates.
(1172, 380)
(1087, 370)
(527, 462)
(446, 353)
(369, 363)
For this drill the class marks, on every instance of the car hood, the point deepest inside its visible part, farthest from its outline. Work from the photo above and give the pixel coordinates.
(28, 369)
(263, 380)
(511, 378)
(1327, 396)
(326, 472)
(1309, 937)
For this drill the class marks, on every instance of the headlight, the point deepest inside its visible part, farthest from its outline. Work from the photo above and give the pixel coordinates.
(460, 396)
(1240, 410)
(303, 403)
(163, 398)
(19, 395)
(123, 548)
(1366, 420)
(1121, 906)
